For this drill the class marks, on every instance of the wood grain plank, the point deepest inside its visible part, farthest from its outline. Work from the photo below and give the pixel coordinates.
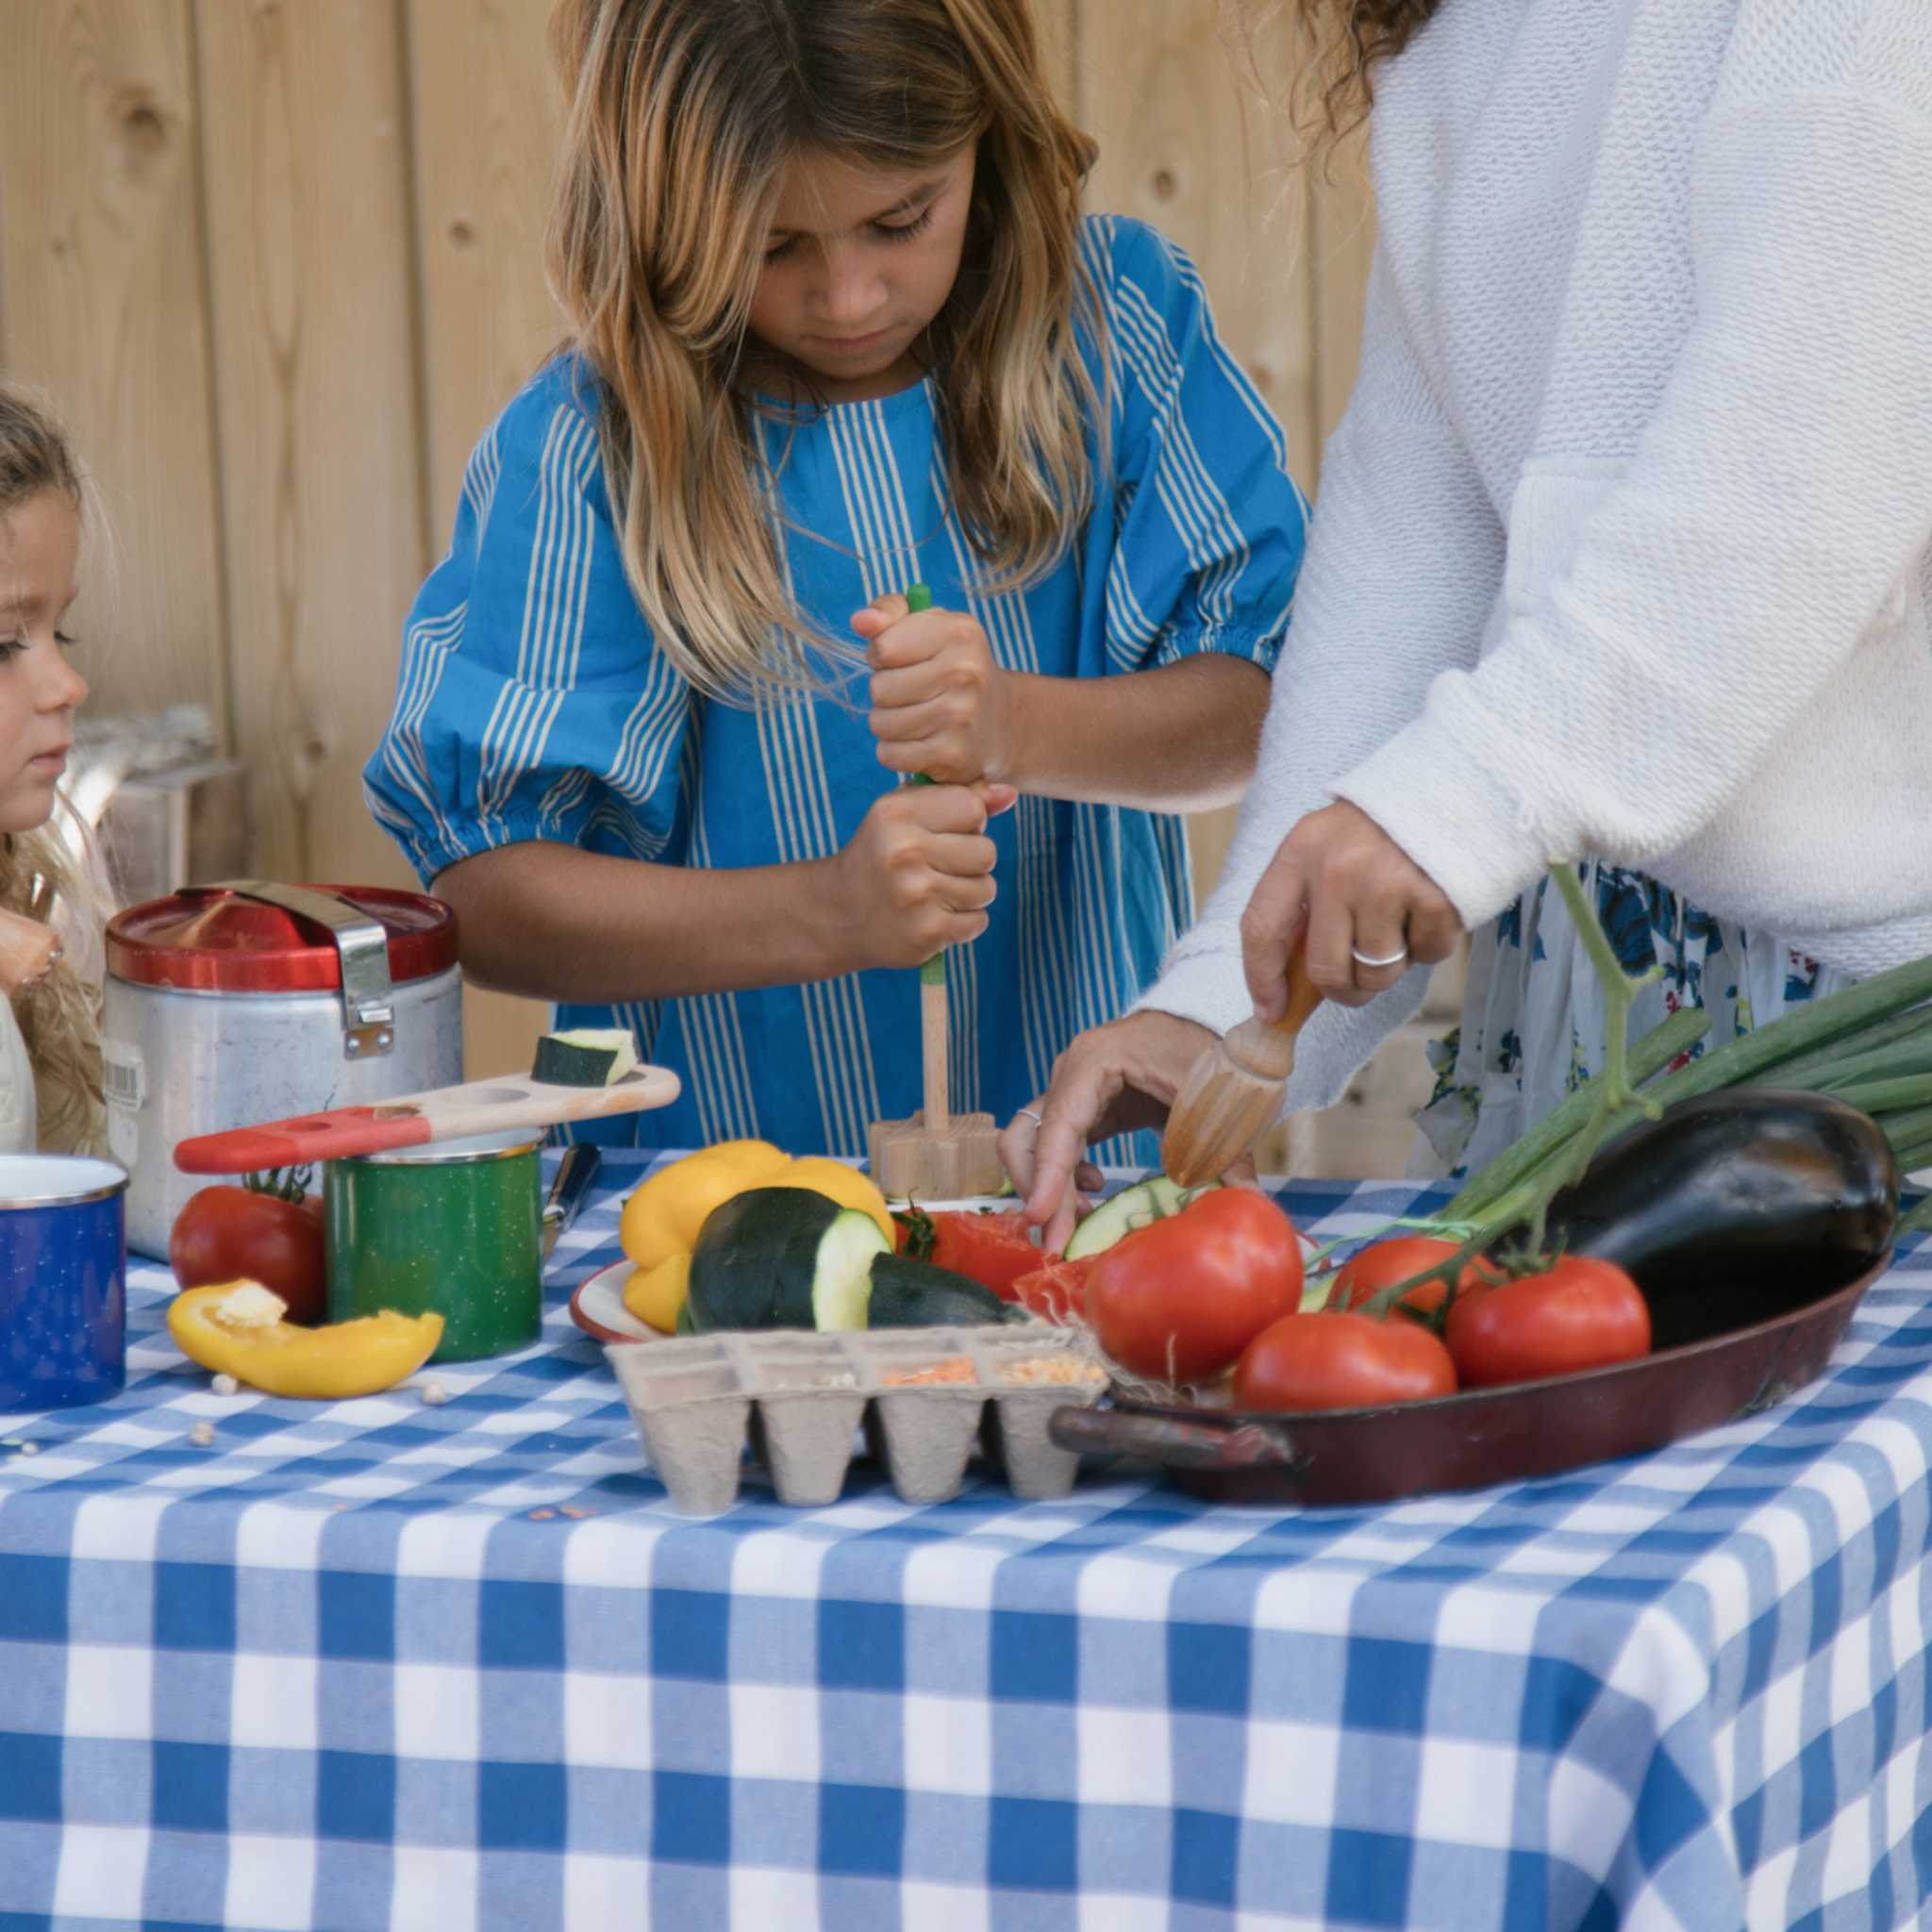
(487, 115)
(307, 188)
(487, 119)
(101, 267)
(1059, 40)
(1189, 144)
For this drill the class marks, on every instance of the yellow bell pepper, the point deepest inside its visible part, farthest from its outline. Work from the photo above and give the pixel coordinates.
(654, 1296)
(662, 1217)
(236, 1328)
(665, 1212)
(839, 1183)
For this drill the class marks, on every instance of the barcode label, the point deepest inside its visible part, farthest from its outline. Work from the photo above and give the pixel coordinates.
(121, 1074)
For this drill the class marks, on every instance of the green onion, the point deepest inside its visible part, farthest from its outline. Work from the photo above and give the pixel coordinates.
(1799, 1031)
(1887, 1096)
(1870, 1042)
(1662, 1044)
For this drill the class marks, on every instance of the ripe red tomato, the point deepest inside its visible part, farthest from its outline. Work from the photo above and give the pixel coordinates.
(235, 1234)
(1056, 1289)
(1383, 1263)
(1180, 1298)
(1578, 1313)
(991, 1247)
(1341, 1362)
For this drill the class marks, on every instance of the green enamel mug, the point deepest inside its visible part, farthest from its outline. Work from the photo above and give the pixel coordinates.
(453, 1227)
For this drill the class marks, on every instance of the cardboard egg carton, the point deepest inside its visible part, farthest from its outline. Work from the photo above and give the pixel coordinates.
(925, 1397)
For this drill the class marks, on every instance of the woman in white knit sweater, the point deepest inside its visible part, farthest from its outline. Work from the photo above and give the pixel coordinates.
(1622, 556)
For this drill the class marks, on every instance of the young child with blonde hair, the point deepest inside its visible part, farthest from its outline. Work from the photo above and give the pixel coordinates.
(50, 1082)
(838, 325)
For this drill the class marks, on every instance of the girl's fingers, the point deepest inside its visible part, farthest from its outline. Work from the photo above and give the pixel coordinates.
(956, 856)
(906, 700)
(997, 798)
(880, 614)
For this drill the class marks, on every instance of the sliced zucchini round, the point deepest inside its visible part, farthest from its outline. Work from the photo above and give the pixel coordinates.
(1149, 1200)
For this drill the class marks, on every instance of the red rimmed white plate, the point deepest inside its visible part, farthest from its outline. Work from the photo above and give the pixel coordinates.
(596, 1305)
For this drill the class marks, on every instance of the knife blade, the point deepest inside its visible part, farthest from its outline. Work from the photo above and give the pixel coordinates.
(572, 1185)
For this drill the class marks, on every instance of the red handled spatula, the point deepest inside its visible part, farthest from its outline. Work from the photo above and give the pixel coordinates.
(1233, 1090)
(411, 1120)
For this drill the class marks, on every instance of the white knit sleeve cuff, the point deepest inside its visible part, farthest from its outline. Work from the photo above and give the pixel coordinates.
(1464, 826)
(1202, 980)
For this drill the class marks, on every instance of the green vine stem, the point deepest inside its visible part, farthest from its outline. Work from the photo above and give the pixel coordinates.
(1612, 1099)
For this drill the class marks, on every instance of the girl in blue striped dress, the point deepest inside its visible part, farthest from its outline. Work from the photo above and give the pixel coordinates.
(838, 325)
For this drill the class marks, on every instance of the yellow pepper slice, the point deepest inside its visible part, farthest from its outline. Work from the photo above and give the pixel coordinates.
(236, 1328)
(839, 1183)
(654, 1296)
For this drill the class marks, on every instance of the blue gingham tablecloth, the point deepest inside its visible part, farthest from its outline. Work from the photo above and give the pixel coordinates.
(385, 1664)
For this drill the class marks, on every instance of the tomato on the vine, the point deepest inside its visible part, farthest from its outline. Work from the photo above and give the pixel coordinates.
(1383, 1263)
(1180, 1299)
(1578, 1313)
(242, 1234)
(1340, 1361)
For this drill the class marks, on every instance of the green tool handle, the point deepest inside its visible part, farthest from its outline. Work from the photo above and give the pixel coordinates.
(918, 597)
(932, 978)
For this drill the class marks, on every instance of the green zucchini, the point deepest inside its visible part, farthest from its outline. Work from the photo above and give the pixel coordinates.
(782, 1257)
(1132, 1207)
(914, 1294)
(588, 1057)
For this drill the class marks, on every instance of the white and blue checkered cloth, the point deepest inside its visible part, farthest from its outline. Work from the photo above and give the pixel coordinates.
(382, 1664)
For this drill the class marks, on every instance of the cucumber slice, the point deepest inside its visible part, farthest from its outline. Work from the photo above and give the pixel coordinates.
(783, 1257)
(1132, 1207)
(586, 1056)
(833, 1291)
(914, 1294)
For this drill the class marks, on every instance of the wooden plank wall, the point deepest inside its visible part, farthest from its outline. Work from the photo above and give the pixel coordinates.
(279, 262)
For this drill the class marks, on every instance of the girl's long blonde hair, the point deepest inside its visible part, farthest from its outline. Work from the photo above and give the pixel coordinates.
(681, 116)
(59, 1018)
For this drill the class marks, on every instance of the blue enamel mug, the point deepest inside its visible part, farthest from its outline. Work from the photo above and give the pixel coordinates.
(64, 1280)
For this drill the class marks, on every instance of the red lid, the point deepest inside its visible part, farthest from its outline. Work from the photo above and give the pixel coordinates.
(214, 940)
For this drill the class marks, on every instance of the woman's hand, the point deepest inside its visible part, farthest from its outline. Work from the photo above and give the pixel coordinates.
(1111, 1080)
(1371, 912)
(939, 704)
(917, 877)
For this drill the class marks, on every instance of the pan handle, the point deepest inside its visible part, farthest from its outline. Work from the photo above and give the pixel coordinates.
(1228, 1443)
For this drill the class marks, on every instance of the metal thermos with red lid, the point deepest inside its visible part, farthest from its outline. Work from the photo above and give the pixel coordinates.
(251, 1001)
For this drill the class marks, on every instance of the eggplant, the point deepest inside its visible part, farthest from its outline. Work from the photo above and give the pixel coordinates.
(1736, 1205)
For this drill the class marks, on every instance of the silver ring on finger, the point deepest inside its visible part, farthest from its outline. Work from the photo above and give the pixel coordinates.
(1028, 1113)
(1363, 959)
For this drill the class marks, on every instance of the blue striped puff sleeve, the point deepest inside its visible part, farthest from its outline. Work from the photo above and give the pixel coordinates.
(530, 703)
(1207, 524)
